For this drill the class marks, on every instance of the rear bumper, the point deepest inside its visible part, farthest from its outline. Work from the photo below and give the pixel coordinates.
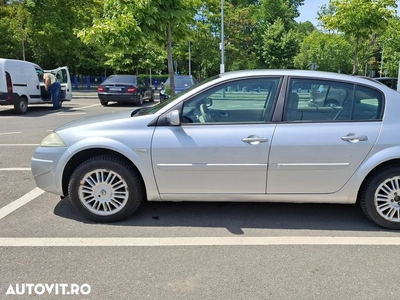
(119, 97)
(4, 100)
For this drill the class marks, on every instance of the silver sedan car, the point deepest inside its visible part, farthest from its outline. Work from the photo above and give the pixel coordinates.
(239, 136)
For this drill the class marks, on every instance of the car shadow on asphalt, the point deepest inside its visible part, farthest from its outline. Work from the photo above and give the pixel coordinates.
(35, 111)
(234, 216)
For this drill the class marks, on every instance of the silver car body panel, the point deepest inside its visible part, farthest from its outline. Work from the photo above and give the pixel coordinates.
(299, 162)
(314, 159)
(184, 156)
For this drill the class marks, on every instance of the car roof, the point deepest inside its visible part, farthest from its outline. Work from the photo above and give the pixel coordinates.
(302, 73)
(385, 78)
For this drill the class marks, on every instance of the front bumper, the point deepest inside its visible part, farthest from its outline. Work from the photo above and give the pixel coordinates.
(47, 169)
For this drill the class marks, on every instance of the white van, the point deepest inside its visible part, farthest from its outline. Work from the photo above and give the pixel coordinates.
(21, 84)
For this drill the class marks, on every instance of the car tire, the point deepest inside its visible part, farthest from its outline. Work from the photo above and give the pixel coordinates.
(21, 105)
(139, 102)
(104, 103)
(379, 197)
(105, 189)
(331, 103)
(151, 97)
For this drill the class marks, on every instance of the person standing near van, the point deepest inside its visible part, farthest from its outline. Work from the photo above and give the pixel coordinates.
(54, 87)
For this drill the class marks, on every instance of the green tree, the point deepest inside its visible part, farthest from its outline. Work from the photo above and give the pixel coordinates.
(131, 24)
(329, 51)
(388, 44)
(13, 28)
(280, 46)
(358, 19)
(51, 31)
(281, 32)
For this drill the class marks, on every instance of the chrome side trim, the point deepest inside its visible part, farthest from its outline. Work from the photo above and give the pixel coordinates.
(312, 166)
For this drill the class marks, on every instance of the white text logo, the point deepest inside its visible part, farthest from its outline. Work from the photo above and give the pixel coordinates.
(48, 289)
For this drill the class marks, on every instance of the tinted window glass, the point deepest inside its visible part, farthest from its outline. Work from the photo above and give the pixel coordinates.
(121, 79)
(316, 101)
(368, 104)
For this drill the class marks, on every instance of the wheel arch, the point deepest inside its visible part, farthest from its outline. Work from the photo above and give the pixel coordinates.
(374, 171)
(83, 155)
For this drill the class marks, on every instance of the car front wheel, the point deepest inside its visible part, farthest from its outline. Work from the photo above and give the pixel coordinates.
(105, 189)
(380, 197)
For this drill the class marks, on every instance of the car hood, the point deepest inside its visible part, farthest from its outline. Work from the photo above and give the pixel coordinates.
(96, 119)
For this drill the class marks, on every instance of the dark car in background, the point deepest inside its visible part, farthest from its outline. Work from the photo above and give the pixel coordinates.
(388, 81)
(124, 88)
(182, 82)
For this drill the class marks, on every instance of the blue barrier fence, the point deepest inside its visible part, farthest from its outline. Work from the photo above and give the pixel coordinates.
(92, 82)
(86, 82)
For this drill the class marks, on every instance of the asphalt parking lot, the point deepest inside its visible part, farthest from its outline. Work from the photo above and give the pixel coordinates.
(177, 250)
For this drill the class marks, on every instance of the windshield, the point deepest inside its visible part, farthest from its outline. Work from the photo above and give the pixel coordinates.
(156, 108)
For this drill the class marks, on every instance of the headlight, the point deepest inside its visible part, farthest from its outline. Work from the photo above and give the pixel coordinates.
(52, 140)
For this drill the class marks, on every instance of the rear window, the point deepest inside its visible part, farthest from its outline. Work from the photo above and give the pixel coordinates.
(128, 79)
(182, 81)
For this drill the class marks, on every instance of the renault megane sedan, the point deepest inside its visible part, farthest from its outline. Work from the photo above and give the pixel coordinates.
(239, 136)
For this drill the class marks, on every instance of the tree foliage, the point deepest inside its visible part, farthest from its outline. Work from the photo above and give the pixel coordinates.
(358, 19)
(329, 51)
(103, 36)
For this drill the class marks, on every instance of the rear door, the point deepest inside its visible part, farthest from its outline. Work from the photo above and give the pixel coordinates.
(64, 78)
(317, 149)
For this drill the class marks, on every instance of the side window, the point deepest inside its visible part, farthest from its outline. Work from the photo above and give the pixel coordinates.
(318, 101)
(312, 100)
(39, 73)
(368, 104)
(62, 76)
(240, 101)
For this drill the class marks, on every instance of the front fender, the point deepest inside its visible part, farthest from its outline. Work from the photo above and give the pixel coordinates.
(140, 157)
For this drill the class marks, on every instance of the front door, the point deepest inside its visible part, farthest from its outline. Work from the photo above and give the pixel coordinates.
(223, 143)
(64, 78)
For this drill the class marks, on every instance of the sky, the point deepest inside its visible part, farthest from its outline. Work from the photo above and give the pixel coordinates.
(308, 11)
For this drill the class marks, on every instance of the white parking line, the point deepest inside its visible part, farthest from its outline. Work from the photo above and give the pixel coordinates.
(93, 105)
(70, 113)
(6, 145)
(8, 209)
(198, 241)
(5, 133)
(15, 169)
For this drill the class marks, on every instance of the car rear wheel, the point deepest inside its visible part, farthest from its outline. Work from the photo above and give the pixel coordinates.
(151, 97)
(105, 189)
(21, 105)
(139, 102)
(104, 103)
(380, 197)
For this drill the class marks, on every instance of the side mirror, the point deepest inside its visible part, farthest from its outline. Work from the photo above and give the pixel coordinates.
(174, 118)
(209, 102)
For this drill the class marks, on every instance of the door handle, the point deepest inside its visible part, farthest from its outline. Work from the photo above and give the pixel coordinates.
(254, 140)
(354, 138)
